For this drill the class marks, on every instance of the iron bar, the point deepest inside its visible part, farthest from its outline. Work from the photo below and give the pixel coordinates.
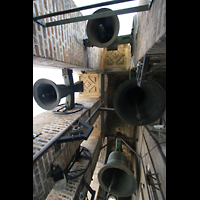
(80, 8)
(99, 15)
(130, 148)
(94, 112)
(158, 145)
(39, 21)
(80, 136)
(151, 149)
(106, 109)
(107, 144)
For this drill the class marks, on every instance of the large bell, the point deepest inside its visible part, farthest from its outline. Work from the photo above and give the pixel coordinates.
(47, 94)
(102, 32)
(115, 177)
(139, 105)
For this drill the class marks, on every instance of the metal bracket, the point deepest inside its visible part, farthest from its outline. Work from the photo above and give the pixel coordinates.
(118, 145)
(149, 178)
(64, 110)
(75, 135)
(143, 71)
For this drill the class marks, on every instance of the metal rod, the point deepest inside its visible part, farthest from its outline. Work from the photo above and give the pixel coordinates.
(153, 166)
(39, 21)
(158, 145)
(106, 109)
(94, 112)
(130, 148)
(107, 144)
(112, 181)
(99, 15)
(80, 8)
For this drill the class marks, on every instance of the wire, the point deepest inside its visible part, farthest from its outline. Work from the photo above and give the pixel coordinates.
(152, 149)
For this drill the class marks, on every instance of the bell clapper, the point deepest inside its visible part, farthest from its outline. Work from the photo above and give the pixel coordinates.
(137, 109)
(111, 183)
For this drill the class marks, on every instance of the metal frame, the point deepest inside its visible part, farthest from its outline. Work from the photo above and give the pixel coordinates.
(119, 40)
(89, 17)
(80, 8)
(77, 135)
(64, 131)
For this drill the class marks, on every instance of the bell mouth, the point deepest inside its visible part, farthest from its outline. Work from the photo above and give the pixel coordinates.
(121, 175)
(49, 96)
(139, 105)
(102, 32)
(46, 94)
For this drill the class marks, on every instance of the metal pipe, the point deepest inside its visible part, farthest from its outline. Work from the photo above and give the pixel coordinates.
(106, 109)
(158, 145)
(99, 15)
(94, 112)
(80, 8)
(130, 148)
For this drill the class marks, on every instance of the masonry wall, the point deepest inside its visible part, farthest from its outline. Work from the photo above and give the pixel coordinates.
(63, 43)
(51, 125)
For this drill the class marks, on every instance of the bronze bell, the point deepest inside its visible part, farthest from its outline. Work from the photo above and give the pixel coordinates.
(115, 177)
(102, 32)
(139, 105)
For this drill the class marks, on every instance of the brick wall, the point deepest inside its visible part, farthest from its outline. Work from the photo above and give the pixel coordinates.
(51, 125)
(63, 42)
